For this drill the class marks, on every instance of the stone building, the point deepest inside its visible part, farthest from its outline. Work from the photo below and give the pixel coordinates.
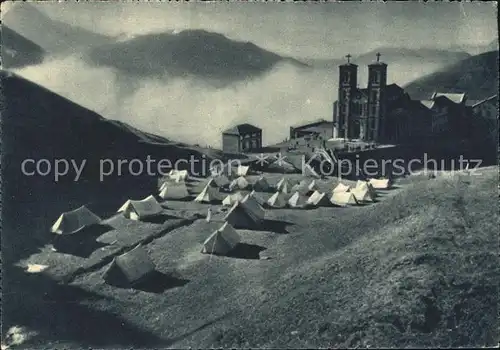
(242, 138)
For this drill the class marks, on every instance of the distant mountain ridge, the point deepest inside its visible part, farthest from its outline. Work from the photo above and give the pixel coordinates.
(391, 55)
(198, 53)
(17, 51)
(53, 36)
(476, 75)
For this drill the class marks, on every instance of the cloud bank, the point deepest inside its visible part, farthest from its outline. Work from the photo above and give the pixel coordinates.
(193, 111)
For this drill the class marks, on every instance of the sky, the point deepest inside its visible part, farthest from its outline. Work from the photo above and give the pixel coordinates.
(296, 29)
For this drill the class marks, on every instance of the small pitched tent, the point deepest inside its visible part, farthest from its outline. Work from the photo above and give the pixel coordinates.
(239, 216)
(261, 185)
(242, 170)
(284, 186)
(308, 171)
(304, 187)
(341, 188)
(141, 209)
(209, 194)
(232, 198)
(239, 184)
(297, 200)
(362, 195)
(222, 241)
(178, 175)
(250, 203)
(343, 199)
(130, 268)
(319, 199)
(312, 186)
(277, 200)
(380, 184)
(365, 185)
(174, 191)
(74, 221)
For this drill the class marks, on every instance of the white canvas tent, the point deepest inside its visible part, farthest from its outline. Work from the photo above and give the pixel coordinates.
(343, 199)
(284, 186)
(261, 185)
(297, 200)
(174, 191)
(341, 188)
(232, 198)
(242, 170)
(74, 221)
(365, 185)
(141, 209)
(209, 194)
(304, 187)
(178, 175)
(278, 200)
(250, 203)
(239, 216)
(239, 184)
(312, 186)
(380, 184)
(222, 241)
(362, 195)
(130, 268)
(319, 199)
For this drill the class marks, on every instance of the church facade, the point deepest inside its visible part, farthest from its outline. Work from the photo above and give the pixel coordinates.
(379, 113)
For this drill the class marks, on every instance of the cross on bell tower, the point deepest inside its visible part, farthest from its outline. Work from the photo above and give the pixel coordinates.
(348, 56)
(378, 56)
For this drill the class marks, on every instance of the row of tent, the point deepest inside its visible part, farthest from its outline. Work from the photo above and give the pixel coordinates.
(72, 221)
(246, 213)
(136, 266)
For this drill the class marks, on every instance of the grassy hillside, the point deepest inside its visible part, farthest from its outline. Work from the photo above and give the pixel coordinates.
(17, 51)
(477, 75)
(188, 53)
(417, 269)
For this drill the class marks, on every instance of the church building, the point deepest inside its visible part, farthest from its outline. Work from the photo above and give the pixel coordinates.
(379, 113)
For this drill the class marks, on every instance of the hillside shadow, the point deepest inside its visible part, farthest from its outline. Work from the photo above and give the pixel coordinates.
(83, 243)
(158, 282)
(62, 313)
(246, 251)
(276, 226)
(158, 219)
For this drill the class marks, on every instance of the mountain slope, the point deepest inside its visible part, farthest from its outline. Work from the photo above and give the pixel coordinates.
(55, 37)
(188, 53)
(17, 51)
(39, 124)
(477, 75)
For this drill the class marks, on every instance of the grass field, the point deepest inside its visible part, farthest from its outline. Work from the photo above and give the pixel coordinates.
(419, 268)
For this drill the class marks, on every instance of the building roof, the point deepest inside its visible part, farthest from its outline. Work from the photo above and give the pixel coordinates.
(394, 90)
(428, 103)
(319, 129)
(311, 123)
(241, 129)
(379, 63)
(454, 97)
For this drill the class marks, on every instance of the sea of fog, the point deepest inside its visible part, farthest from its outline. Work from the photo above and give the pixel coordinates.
(195, 111)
